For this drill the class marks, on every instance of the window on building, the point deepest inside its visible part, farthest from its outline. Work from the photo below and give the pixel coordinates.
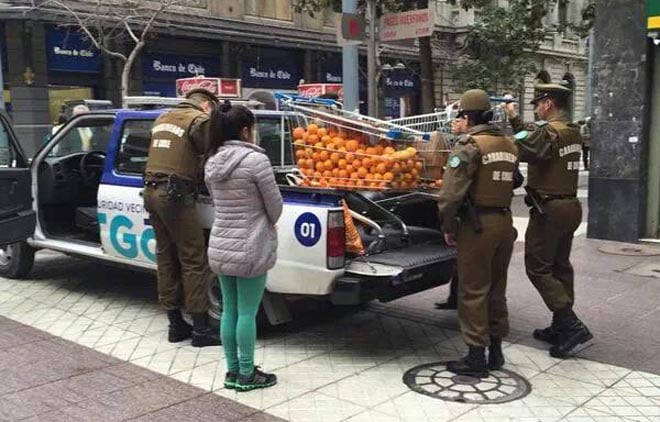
(134, 146)
(562, 14)
(273, 9)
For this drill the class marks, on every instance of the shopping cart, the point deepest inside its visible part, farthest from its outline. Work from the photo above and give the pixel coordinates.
(335, 147)
(330, 112)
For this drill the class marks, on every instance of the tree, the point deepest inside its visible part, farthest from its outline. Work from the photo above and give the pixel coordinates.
(388, 6)
(111, 23)
(497, 48)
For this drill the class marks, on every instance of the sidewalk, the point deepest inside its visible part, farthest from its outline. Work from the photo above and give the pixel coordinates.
(333, 363)
(48, 379)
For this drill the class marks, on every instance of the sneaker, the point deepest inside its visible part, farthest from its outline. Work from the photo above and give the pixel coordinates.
(230, 380)
(258, 379)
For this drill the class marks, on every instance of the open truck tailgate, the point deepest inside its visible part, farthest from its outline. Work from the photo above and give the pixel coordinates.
(395, 273)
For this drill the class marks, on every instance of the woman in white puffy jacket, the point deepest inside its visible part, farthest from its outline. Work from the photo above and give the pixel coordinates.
(243, 241)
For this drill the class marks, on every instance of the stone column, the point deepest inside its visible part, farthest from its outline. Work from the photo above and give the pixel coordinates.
(619, 141)
(27, 76)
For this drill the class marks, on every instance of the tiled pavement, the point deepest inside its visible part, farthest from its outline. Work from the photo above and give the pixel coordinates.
(333, 363)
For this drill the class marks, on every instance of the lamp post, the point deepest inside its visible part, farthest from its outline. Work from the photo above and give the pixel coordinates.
(372, 58)
(350, 66)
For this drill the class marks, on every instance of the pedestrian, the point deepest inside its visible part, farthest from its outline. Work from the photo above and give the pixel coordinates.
(172, 175)
(243, 242)
(585, 132)
(474, 203)
(551, 146)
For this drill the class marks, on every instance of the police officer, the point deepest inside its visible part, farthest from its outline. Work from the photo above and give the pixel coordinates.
(173, 171)
(480, 172)
(552, 147)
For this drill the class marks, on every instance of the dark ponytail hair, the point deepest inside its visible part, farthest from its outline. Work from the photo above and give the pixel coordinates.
(227, 123)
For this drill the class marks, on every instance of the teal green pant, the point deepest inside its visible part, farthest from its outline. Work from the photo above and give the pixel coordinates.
(238, 327)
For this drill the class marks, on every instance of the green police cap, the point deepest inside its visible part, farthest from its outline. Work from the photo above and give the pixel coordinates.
(204, 92)
(549, 90)
(475, 100)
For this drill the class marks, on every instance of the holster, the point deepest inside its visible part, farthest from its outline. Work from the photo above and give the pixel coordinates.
(471, 213)
(179, 190)
(533, 200)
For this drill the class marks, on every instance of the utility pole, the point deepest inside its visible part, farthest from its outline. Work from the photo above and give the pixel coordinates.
(350, 66)
(372, 78)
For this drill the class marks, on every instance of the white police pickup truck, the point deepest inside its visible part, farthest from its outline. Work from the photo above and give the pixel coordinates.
(81, 194)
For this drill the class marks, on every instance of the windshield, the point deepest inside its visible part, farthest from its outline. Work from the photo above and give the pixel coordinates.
(88, 134)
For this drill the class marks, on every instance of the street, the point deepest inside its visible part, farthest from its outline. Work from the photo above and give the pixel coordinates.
(333, 363)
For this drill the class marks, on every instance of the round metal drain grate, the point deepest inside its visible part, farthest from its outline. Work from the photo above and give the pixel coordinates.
(433, 379)
(630, 250)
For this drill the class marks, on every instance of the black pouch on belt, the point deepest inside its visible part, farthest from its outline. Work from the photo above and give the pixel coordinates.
(176, 188)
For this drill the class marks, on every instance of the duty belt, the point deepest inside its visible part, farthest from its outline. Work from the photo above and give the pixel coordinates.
(546, 198)
(493, 210)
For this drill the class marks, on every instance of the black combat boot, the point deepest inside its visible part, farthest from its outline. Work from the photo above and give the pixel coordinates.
(450, 304)
(548, 334)
(473, 365)
(178, 329)
(495, 355)
(202, 334)
(571, 333)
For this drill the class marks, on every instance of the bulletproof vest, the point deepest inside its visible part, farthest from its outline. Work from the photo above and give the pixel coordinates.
(559, 175)
(171, 151)
(493, 184)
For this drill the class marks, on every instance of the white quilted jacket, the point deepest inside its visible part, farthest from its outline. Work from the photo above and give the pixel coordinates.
(247, 203)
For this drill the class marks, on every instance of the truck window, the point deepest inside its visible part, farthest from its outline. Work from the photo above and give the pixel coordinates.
(89, 134)
(269, 137)
(134, 146)
(7, 153)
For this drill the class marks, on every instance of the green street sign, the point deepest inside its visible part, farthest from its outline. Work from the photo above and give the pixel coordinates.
(653, 14)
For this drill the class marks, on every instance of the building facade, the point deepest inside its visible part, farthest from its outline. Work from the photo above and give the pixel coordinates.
(263, 42)
(561, 56)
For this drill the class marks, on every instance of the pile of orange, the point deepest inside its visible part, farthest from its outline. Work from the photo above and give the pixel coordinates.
(339, 158)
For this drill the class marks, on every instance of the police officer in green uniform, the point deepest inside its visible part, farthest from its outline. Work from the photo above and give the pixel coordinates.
(474, 204)
(173, 172)
(551, 146)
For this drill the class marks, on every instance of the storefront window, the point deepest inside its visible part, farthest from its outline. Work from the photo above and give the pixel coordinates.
(274, 9)
(59, 95)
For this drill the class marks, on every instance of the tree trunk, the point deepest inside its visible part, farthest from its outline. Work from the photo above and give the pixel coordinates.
(126, 71)
(426, 64)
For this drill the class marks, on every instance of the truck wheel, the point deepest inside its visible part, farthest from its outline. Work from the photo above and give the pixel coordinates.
(215, 299)
(16, 260)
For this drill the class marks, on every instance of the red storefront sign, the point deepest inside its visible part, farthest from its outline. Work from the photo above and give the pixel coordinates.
(316, 90)
(221, 87)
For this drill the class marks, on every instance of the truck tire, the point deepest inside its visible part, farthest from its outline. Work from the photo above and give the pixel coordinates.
(16, 260)
(215, 299)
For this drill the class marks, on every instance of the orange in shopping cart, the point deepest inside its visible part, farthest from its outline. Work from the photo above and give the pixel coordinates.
(298, 133)
(352, 145)
(322, 132)
(362, 172)
(312, 128)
